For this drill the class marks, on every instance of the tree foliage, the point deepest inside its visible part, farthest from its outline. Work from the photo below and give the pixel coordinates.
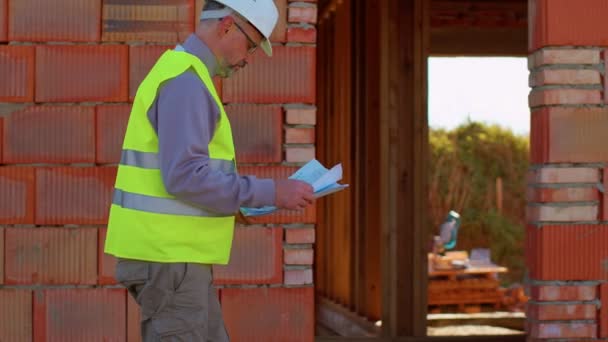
(465, 164)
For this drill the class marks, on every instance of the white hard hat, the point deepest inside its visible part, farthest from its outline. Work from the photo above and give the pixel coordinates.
(263, 14)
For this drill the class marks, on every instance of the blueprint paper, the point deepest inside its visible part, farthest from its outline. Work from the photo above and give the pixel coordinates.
(310, 173)
(330, 190)
(322, 180)
(331, 177)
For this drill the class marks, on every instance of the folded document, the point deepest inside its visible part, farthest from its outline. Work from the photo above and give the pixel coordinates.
(323, 181)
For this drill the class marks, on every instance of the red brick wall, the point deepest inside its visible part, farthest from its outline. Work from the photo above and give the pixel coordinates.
(68, 72)
(567, 234)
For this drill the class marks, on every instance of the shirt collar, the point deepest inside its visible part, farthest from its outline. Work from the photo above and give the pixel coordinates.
(197, 47)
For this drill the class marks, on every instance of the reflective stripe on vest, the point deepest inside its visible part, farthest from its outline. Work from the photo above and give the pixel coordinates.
(151, 160)
(159, 205)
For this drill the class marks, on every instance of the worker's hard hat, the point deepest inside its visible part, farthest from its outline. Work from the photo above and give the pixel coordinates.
(262, 14)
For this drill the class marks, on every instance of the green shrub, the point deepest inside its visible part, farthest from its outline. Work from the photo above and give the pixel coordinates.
(465, 164)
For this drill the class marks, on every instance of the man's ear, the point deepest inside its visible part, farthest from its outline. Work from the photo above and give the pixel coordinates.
(225, 25)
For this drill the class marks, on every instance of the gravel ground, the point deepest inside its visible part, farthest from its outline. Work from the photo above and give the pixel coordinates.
(468, 330)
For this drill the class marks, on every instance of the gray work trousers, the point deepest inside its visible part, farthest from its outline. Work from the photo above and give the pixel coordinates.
(178, 301)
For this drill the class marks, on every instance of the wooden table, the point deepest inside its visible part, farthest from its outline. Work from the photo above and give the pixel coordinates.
(467, 288)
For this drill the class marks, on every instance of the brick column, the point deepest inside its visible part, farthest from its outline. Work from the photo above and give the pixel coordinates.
(567, 232)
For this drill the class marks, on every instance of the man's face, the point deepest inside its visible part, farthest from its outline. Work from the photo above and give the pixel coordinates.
(241, 40)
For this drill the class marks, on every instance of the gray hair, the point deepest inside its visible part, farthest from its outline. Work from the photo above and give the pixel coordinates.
(215, 10)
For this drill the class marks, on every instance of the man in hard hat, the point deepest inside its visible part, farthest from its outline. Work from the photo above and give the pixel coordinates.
(177, 189)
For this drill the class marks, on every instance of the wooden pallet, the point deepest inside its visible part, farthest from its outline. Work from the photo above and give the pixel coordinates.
(468, 290)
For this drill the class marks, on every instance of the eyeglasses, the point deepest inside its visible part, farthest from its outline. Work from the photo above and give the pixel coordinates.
(252, 44)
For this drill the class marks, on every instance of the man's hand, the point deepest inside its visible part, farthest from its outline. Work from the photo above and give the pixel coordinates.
(241, 219)
(292, 194)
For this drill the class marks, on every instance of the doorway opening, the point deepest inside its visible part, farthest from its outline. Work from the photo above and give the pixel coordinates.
(352, 253)
(479, 157)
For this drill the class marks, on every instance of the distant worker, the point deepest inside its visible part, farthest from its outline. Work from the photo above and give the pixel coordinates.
(177, 190)
(448, 233)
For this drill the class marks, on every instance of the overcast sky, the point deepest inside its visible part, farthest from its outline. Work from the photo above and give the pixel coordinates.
(493, 90)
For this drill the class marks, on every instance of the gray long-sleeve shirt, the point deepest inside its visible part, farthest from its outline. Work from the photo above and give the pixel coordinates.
(184, 116)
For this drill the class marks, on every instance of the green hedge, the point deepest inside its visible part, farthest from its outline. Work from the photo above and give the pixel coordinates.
(464, 166)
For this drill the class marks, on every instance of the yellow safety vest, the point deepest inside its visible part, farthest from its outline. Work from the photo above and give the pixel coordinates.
(146, 222)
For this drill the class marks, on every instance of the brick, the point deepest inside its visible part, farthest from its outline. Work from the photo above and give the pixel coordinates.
(300, 235)
(1, 256)
(299, 154)
(279, 32)
(568, 135)
(62, 20)
(141, 60)
(563, 330)
(106, 263)
(562, 214)
(288, 77)
(133, 320)
(1, 139)
(301, 34)
(568, 252)
(564, 96)
(17, 195)
(308, 215)
(74, 195)
(604, 198)
(561, 312)
(555, 293)
(257, 133)
(51, 256)
(161, 21)
(255, 258)
(66, 73)
(17, 70)
(566, 56)
(299, 135)
(198, 8)
(281, 314)
(110, 127)
(7, 108)
(604, 78)
(16, 313)
(547, 195)
(552, 76)
(532, 61)
(298, 277)
(71, 315)
(298, 256)
(301, 116)
(567, 23)
(539, 138)
(217, 81)
(547, 175)
(603, 321)
(302, 14)
(532, 256)
(537, 24)
(50, 134)
(3, 20)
